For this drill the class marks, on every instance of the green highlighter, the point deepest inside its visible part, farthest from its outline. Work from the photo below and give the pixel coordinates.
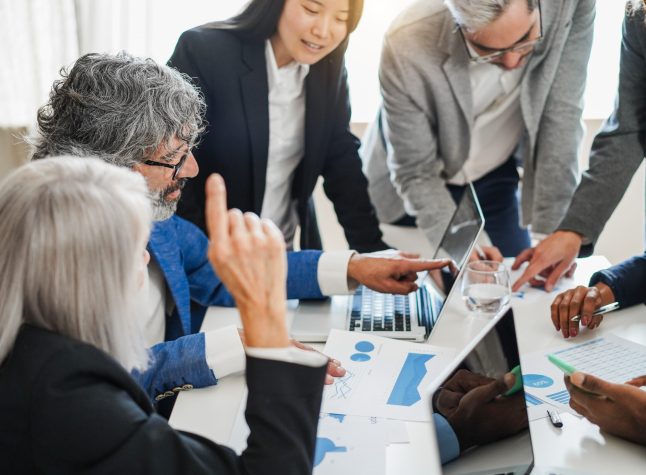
(568, 369)
(518, 382)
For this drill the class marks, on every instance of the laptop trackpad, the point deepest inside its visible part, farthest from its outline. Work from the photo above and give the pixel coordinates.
(313, 320)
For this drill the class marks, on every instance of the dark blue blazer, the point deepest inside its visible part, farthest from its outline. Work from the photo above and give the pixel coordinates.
(626, 279)
(232, 75)
(180, 249)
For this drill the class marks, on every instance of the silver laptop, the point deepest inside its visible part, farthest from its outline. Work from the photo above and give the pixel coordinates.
(496, 431)
(405, 317)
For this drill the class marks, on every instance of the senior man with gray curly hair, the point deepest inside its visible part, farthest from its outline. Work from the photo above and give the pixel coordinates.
(472, 89)
(138, 114)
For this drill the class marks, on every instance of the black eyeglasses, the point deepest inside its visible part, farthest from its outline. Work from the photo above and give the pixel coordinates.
(176, 168)
(522, 48)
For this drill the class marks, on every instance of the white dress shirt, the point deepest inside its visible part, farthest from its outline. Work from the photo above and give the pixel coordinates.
(286, 141)
(151, 305)
(497, 120)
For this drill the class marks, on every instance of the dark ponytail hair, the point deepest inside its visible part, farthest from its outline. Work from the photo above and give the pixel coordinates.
(258, 21)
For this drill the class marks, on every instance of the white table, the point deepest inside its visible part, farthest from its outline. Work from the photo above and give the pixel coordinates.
(577, 448)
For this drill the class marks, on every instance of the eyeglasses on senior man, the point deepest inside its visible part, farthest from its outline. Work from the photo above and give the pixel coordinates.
(523, 47)
(176, 167)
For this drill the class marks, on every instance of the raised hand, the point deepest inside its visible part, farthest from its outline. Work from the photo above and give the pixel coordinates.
(248, 254)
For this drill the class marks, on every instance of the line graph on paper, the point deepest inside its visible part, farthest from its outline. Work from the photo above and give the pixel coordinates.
(345, 387)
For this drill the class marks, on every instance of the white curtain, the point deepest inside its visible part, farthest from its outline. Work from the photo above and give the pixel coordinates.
(144, 27)
(37, 37)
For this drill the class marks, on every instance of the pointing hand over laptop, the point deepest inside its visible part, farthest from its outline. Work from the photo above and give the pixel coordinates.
(393, 273)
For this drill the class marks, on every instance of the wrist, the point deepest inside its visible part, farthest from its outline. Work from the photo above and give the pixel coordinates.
(267, 338)
(571, 236)
(606, 293)
(353, 269)
(264, 326)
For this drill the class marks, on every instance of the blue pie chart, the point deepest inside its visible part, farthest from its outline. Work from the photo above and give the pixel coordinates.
(537, 380)
(364, 346)
(360, 357)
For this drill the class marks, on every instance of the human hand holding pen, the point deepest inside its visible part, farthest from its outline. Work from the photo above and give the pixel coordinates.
(334, 368)
(581, 301)
(619, 409)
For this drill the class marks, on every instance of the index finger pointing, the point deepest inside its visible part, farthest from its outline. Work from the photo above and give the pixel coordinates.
(524, 256)
(420, 265)
(217, 221)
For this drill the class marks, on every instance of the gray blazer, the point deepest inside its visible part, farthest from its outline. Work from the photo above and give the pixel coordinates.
(619, 148)
(423, 136)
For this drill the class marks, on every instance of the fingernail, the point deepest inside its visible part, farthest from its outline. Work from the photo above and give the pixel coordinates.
(574, 332)
(577, 378)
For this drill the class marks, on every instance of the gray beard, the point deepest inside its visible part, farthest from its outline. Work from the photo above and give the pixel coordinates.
(163, 209)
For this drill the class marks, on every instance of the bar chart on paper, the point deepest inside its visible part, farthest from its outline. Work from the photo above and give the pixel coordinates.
(610, 357)
(384, 377)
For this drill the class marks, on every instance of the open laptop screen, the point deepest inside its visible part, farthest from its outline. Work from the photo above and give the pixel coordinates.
(456, 244)
(491, 428)
(462, 231)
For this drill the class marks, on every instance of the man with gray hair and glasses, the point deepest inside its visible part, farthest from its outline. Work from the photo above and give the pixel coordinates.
(144, 116)
(472, 89)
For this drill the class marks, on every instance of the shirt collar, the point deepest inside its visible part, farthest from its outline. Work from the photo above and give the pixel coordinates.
(297, 70)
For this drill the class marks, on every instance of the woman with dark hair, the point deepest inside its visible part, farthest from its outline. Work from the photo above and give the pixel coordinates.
(278, 115)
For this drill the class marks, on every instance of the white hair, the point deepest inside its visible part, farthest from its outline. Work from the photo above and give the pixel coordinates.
(635, 6)
(475, 14)
(72, 237)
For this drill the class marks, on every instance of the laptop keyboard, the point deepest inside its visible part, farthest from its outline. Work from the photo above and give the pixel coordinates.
(374, 311)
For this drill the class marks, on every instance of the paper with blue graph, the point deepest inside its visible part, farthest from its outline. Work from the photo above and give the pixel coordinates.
(384, 378)
(609, 357)
(355, 445)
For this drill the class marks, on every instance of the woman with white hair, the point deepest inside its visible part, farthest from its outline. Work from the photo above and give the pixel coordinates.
(73, 239)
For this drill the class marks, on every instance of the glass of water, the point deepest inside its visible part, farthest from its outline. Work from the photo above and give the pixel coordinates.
(485, 287)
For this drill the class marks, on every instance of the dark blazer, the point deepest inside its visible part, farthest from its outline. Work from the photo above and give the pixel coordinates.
(232, 75)
(619, 148)
(67, 407)
(626, 279)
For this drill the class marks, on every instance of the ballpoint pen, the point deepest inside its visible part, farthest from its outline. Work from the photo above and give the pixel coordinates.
(600, 311)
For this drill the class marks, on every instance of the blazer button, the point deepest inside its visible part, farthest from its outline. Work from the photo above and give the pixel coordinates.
(159, 397)
(187, 387)
(177, 389)
(169, 393)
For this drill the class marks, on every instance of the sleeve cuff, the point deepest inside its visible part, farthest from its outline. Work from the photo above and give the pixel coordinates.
(225, 354)
(289, 354)
(446, 439)
(332, 273)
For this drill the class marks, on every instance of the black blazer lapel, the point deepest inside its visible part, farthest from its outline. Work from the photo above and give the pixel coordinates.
(316, 95)
(255, 98)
